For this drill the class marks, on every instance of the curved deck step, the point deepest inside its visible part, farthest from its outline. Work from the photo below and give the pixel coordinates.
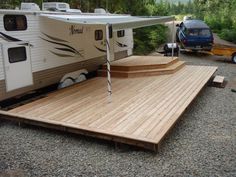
(145, 72)
(135, 63)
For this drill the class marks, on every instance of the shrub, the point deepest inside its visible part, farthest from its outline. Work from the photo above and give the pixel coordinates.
(148, 39)
(228, 34)
(214, 22)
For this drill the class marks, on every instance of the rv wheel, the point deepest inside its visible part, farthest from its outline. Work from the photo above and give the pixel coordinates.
(66, 83)
(234, 58)
(81, 78)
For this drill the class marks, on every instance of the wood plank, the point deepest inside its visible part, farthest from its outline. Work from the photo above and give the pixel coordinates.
(100, 105)
(142, 60)
(180, 109)
(166, 99)
(166, 114)
(219, 79)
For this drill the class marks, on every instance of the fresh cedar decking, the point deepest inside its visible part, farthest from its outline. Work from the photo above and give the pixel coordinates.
(138, 66)
(142, 111)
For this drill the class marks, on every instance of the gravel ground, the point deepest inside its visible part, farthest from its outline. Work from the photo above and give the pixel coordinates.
(202, 143)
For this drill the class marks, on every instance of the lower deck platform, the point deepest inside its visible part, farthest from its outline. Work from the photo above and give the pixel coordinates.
(142, 110)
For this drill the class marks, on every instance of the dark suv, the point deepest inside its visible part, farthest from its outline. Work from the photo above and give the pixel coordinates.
(194, 35)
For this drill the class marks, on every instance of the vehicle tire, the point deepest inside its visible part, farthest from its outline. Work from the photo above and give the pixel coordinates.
(234, 58)
(66, 83)
(81, 78)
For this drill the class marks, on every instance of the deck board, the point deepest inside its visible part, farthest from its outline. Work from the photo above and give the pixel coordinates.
(143, 61)
(142, 110)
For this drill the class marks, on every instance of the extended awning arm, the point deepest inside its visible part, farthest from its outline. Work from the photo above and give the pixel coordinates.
(108, 60)
(130, 23)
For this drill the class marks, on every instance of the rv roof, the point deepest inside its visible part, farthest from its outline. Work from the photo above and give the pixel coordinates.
(24, 12)
(117, 22)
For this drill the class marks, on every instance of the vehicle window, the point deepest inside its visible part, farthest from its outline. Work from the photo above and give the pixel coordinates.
(205, 33)
(15, 22)
(193, 32)
(62, 6)
(98, 35)
(199, 32)
(121, 33)
(16, 54)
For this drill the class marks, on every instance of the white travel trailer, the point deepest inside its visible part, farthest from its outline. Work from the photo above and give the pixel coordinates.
(40, 48)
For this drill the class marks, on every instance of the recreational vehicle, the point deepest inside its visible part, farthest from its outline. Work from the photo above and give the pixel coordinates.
(40, 48)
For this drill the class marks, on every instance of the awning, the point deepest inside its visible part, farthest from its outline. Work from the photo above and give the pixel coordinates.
(118, 22)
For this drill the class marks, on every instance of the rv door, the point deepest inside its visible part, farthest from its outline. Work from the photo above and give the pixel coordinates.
(17, 65)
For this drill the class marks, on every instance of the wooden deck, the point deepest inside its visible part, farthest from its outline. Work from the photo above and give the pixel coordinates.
(141, 112)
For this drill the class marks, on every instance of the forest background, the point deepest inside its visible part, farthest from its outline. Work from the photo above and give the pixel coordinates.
(220, 15)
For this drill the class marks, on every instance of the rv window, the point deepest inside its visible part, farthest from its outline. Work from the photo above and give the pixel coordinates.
(16, 54)
(15, 22)
(62, 6)
(121, 33)
(98, 35)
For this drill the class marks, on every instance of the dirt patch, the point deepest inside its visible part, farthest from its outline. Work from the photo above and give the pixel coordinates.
(13, 173)
(218, 40)
(232, 83)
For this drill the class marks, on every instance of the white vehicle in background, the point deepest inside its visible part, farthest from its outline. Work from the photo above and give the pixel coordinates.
(187, 18)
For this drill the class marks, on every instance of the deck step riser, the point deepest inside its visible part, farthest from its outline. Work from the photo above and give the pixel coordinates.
(147, 72)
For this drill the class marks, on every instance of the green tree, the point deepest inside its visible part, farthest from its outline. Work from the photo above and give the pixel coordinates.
(147, 39)
(220, 15)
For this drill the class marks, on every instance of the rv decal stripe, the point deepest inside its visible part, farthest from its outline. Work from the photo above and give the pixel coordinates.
(101, 50)
(61, 55)
(71, 49)
(60, 44)
(9, 38)
(54, 38)
(66, 50)
(121, 45)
